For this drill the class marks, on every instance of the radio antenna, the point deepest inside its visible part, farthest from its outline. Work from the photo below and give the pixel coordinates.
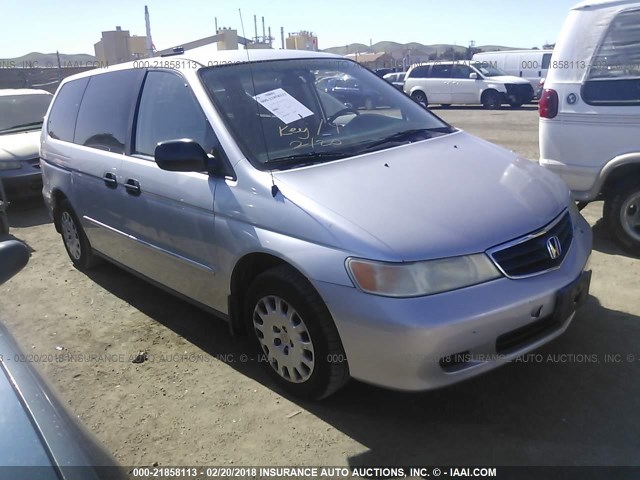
(274, 187)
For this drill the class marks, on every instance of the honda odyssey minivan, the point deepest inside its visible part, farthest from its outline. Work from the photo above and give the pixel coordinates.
(383, 245)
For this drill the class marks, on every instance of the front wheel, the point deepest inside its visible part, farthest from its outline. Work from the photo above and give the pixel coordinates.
(295, 334)
(491, 100)
(622, 213)
(74, 239)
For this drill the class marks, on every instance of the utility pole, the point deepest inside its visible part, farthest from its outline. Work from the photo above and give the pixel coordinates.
(282, 38)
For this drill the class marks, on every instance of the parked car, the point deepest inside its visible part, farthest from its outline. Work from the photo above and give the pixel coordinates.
(341, 248)
(396, 79)
(465, 82)
(532, 65)
(539, 89)
(590, 112)
(21, 115)
(349, 91)
(381, 72)
(40, 439)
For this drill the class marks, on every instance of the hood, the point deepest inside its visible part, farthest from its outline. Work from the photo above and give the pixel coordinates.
(20, 146)
(508, 79)
(448, 196)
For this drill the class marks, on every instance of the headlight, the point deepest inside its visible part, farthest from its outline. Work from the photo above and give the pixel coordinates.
(420, 278)
(10, 165)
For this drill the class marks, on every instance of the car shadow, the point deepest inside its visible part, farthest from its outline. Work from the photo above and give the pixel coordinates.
(572, 402)
(604, 241)
(480, 107)
(28, 213)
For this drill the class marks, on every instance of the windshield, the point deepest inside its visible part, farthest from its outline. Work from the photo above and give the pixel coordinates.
(489, 70)
(295, 112)
(22, 112)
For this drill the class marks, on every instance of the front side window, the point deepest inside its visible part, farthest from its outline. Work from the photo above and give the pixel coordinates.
(169, 111)
(19, 113)
(614, 76)
(546, 60)
(488, 70)
(461, 71)
(105, 110)
(285, 113)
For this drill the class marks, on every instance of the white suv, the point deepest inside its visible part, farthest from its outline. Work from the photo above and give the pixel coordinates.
(465, 82)
(590, 112)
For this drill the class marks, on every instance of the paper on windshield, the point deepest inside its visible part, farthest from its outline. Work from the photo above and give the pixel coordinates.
(283, 105)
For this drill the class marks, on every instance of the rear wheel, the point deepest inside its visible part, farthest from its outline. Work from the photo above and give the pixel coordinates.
(491, 100)
(622, 214)
(295, 333)
(421, 98)
(74, 239)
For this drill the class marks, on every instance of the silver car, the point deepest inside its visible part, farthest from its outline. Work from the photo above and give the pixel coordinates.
(21, 114)
(382, 245)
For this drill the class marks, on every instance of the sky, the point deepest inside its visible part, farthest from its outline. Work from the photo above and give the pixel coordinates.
(73, 26)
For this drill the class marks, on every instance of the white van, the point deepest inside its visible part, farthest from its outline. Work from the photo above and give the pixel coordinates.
(531, 65)
(590, 112)
(465, 82)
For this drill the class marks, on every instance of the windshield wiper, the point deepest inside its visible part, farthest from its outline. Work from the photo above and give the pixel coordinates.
(24, 125)
(407, 136)
(305, 159)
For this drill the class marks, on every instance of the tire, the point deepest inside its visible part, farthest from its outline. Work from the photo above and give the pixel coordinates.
(491, 100)
(279, 303)
(621, 213)
(420, 98)
(74, 239)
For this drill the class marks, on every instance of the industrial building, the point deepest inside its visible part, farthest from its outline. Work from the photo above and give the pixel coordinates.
(118, 46)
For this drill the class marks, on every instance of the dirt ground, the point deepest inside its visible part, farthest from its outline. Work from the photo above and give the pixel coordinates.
(197, 401)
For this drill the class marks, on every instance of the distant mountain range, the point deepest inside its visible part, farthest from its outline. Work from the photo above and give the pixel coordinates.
(399, 50)
(37, 59)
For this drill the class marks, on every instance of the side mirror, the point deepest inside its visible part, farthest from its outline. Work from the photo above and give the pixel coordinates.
(182, 155)
(14, 255)
(473, 76)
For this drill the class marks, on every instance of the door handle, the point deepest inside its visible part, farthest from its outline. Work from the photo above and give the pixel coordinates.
(132, 186)
(110, 180)
(540, 73)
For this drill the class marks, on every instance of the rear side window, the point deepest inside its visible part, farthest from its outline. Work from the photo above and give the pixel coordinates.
(440, 71)
(420, 72)
(461, 71)
(169, 111)
(614, 76)
(106, 108)
(64, 112)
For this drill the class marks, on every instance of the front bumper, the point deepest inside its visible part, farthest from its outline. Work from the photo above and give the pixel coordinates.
(23, 182)
(407, 344)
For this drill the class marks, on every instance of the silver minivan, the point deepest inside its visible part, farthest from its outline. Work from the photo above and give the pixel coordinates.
(383, 245)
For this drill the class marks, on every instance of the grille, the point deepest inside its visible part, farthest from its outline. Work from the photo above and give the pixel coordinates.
(522, 92)
(530, 255)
